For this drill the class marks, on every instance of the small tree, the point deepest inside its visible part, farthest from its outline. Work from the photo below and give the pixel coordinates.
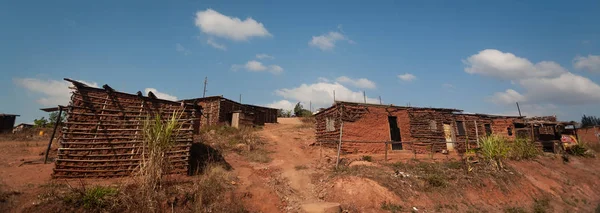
(589, 121)
(42, 122)
(299, 111)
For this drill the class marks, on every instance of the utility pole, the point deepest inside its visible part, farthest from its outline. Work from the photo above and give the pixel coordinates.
(380, 100)
(205, 82)
(333, 96)
(365, 96)
(310, 105)
(518, 108)
(240, 98)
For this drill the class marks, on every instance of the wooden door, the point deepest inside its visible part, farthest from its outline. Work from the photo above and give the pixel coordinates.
(448, 132)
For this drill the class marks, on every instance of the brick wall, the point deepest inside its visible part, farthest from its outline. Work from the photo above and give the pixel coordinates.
(589, 135)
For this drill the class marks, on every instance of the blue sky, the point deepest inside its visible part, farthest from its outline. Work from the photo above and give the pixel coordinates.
(479, 57)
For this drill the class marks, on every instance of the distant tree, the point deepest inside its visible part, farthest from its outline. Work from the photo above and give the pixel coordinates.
(589, 121)
(53, 116)
(42, 122)
(282, 113)
(299, 111)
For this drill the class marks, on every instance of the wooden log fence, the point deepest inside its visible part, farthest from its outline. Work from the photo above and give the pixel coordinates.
(386, 143)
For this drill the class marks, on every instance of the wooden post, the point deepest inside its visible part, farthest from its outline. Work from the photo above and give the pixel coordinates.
(53, 132)
(476, 132)
(386, 150)
(337, 162)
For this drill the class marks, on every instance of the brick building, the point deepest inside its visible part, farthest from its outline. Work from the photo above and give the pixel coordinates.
(367, 126)
(218, 110)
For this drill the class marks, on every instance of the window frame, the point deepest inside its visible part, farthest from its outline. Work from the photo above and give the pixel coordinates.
(460, 127)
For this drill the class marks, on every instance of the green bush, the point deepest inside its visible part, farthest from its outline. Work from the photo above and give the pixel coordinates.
(97, 197)
(522, 148)
(367, 158)
(494, 148)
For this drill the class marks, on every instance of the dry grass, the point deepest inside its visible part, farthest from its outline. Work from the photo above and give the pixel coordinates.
(404, 177)
(212, 191)
(244, 141)
(307, 122)
(159, 137)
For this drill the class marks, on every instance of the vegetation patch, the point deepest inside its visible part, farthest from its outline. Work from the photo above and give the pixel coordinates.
(367, 158)
(388, 206)
(301, 167)
(244, 141)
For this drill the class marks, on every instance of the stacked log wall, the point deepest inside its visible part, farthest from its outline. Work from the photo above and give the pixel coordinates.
(103, 134)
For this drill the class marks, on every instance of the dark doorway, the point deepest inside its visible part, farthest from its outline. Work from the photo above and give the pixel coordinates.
(488, 129)
(394, 132)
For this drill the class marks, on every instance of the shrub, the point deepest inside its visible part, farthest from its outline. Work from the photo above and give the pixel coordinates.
(95, 198)
(578, 150)
(494, 148)
(541, 205)
(367, 158)
(522, 148)
(159, 137)
(214, 192)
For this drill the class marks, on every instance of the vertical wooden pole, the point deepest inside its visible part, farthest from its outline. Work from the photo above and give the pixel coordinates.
(337, 162)
(476, 132)
(365, 96)
(53, 132)
(386, 150)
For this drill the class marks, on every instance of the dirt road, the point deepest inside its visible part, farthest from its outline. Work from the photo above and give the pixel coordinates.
(288, 177)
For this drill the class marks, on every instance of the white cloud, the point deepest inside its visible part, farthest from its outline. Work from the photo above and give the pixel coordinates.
(545, 82)
(54, 92)
(264, 56)
(321, 94)
(360, 83)
(327, 41)
(160, 94)
(590, 63)
(507, 66)
(257, 66)
(407, 77)
(216, 24)
(180, 48)
(532, 110)
(507, 97)
(448, 86)
(322, 79)
(216, 45)
(282, 104)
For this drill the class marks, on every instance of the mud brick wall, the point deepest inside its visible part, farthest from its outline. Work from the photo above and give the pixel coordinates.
(590, 135)
(373, 126)
(210, 112)
(500, 127)
(102, 136)
(322, 136)
(368, 125)
(423, 135)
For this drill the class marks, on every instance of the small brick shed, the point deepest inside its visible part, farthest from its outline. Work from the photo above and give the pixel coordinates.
(218, 110)
(367, 126)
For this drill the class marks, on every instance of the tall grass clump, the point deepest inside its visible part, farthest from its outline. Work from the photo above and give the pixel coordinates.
(159, 137)
(494, 148)
(522, 149)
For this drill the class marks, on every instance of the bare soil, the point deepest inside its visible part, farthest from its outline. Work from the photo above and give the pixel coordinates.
(302, 172)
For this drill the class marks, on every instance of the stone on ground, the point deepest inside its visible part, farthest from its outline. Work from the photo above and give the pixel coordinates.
(322, 207)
